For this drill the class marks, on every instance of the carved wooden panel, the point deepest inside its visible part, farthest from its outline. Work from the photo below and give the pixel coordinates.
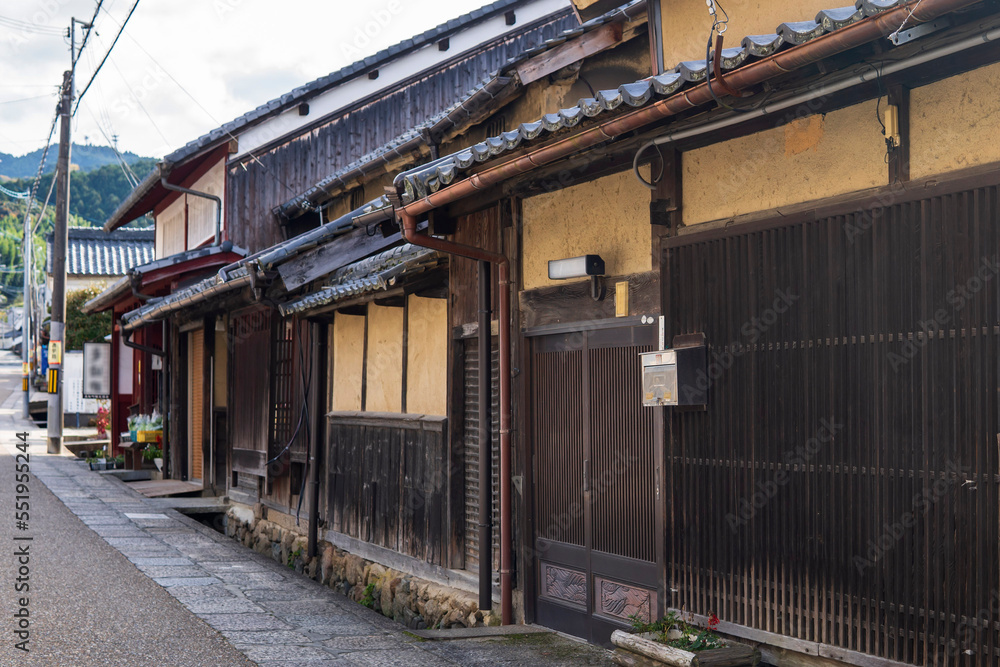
(564, 584)
(624, 601)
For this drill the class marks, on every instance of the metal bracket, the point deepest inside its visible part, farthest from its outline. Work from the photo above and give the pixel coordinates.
(916, 32)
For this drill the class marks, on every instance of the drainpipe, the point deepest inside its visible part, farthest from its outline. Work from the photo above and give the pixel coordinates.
(126, 339)
(485, 442)
(317, 431)
(409, 231)
(196, 193)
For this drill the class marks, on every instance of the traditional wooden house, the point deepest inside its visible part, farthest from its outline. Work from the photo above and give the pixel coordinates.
(158, 368)
(274, 308)
(812, 209)
(809, 213)
(93, 258)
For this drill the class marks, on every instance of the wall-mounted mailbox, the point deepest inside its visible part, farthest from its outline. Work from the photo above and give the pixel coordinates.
(674, 377)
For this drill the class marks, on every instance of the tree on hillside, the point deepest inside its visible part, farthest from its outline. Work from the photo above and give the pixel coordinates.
(82, 328)
(94, 195)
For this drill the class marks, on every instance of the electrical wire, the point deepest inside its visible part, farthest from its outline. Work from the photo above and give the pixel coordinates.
(141, 106)
(93, 76)
(90, 29)
(41, 214)
(305, 408)
(25, 26)
(25, 99)
(253, 157)
(298, 426)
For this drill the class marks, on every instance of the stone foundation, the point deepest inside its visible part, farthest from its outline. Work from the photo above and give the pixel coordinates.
(410, 600)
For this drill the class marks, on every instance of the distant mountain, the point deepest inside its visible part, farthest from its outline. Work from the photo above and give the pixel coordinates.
(84, 156)
(94, 195)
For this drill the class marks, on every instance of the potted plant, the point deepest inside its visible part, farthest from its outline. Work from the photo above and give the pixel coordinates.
(153, 454)
(97, 460)
(673, 641)
(103, 421)
(118, 463)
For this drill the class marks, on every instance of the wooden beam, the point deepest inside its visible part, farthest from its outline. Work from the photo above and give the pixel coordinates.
(570, 52)
(405, 346)
(572, 302)
(334, 254)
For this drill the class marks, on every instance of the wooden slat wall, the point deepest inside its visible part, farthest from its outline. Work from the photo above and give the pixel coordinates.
(249, 403)
(388, 482)
(471, 453)
(884, 538)
(196, 411)
(255, 190)
(479, 230)
(291, 349)
(621, 454)
(560, 442)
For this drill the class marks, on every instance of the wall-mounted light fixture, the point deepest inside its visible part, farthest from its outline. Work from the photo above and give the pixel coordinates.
(580, 267)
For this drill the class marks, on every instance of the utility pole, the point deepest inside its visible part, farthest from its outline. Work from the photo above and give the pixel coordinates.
(59, 242)
(26, 347)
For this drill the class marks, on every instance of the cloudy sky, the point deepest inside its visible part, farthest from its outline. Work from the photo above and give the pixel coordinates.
(183, 67)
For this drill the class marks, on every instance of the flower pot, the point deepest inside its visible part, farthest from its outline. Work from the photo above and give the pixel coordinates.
(159, 464)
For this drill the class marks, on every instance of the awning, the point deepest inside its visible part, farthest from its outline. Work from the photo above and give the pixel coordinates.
(213, 286)
(374, 274)
(161, 270)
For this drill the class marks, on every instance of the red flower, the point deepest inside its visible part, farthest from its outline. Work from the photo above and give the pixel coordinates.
(713, 622)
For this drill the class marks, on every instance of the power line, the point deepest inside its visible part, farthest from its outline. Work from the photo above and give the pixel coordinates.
(86, 35)
(121, 29)
(139, 103)
(200, 106)
(24, 26)
(25, 99)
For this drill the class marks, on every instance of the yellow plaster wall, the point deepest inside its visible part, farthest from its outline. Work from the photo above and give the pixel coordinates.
(348, 347)
(686, 23)
(427, 356)
(955, 123)
(623, 64)
(810, 158)
(608, 217)
(384, 387)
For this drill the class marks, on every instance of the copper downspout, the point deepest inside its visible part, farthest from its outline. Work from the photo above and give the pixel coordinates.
(409, 231)
(822, 47)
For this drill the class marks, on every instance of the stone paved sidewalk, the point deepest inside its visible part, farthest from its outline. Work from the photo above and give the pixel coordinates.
(270, 613)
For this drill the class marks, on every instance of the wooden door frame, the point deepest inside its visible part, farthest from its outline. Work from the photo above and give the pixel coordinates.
(660, 565)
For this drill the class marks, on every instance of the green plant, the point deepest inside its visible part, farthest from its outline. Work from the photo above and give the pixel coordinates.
(151, 452)
(292, 555)
(83, 328)
(690, 638)
(368, 597)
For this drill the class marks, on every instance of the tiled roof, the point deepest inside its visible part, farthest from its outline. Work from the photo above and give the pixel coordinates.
(324, 83)
(123, 285)
(373, 274)
(496, 90)
(214, 285)
(92, 252)
(426, 179)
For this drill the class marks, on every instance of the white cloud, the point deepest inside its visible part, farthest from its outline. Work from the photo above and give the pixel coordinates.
(229, 55)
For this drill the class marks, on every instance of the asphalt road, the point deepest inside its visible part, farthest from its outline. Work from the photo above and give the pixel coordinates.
(87, 604)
